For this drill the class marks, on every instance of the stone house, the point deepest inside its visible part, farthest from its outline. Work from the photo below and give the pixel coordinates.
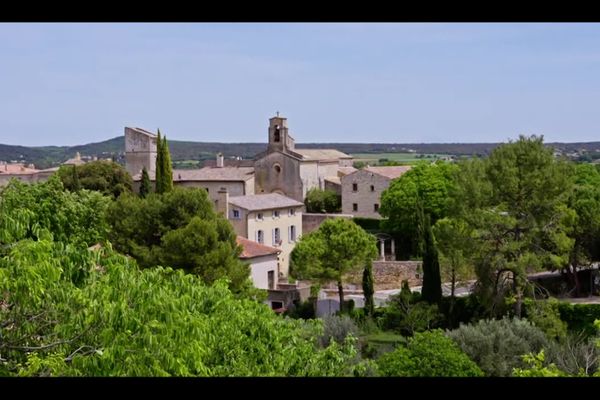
(140, 151)
(24, 173)
(292, 172)
(361, 189)
(262, 260)
(270, 219)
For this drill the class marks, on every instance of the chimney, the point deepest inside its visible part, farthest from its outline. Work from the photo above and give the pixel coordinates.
(219, 160)
(223, 202)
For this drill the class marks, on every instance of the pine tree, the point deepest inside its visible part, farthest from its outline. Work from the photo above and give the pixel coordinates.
(145, 187)
(167, 171)
(368, 290)
(159, 169)
(432, 282)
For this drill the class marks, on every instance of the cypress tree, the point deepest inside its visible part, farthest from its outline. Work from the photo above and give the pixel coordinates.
(368, 290)
(145, 187)
(159, 165)
(167, 167)
(76, 183)
(432, 282)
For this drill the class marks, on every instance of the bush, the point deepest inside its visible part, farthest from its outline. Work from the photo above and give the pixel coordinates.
(466, 310)
(304, 310)
(580, 317)
(337, 328)
(428, 354)
(368, 224)
(545, 315)
(575, 355)
(497, 346)
(323, 201)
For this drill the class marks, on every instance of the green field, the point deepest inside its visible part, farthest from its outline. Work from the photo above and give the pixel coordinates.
(408, 158)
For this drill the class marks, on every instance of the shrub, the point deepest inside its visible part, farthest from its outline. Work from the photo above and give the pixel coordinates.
(545, 315)
(580, 317)
(337, 327)
(323, 201)
(497, 346)
(428, 354)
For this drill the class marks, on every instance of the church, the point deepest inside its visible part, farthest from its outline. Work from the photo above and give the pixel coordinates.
(286, 170)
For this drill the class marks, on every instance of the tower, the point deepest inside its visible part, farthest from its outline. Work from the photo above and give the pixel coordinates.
(140, 151)
(279, 137)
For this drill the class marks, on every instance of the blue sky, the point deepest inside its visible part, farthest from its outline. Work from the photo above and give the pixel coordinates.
(67, 84)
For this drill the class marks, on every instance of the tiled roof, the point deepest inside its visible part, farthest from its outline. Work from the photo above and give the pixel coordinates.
(16, 169)
(389, 172)
(345, 170)
(334, 179)
(253, 249)
(214, 174)
(321, 154)
(263, 201)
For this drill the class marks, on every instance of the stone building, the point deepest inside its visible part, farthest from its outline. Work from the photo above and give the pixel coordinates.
(361, 189)
(140, 151)
(262, 260)
(270, 219)
(24, 173)
(286, 170)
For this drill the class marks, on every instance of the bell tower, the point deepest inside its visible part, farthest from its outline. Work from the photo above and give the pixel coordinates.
(279, 138)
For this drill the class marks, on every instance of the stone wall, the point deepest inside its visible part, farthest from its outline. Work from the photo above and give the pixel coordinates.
(312, 221)
(390, 274)
(363, 197)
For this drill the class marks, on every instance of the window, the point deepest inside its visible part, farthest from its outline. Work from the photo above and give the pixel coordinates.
(354, 207)
(271, 279)
(259, 217)
(375, 207)
(355, 187)
(292, 212)
(372, 188)
(236, 214)
(277, 135)
(260, 236)
(276, 305)
(292, 234)
(276, 214)
(276, 237)
(207, 191)
(277, 168)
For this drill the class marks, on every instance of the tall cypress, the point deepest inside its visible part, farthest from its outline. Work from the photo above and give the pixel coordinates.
(76, 183)
(159, 165)
(145, 187)
(167, 167)
(368, 289)
(432, 282)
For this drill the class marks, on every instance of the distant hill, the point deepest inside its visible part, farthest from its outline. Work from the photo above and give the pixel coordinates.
(50, 156)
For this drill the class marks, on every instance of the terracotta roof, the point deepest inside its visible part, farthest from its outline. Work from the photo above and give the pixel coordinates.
(16, 169)
(206, 174)
(345, 170)
(389, 172)
(263, 201)
(321, 154)
(214, 174)
(334, 179)
(253, 249)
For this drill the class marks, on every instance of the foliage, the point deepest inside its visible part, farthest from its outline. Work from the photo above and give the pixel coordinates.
(159, 166)
(336, 328)
(106, 177)
(323, 201)
(497, 345)
(545, 314)
(537, 368)
(304, 310)
(167, 168)
(368, 288)
(368, 224)
(146, 185)
(407, 314)
(577, 354)
(519, 215)
(459, 310)
(74, 312)
(580, 317)
(338, 247)
(431, 291)
(429, 182)
(428, 354)
(37, 210)
(180, 229)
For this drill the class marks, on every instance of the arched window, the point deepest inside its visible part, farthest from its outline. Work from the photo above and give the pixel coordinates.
(277, 134)
(277, 168)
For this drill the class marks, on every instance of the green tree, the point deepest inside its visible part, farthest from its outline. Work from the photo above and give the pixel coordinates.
(524, 223)
(159, 167)
(75, 312)
(430, 183)
(322, 201)
(146, 185)
(167, 177)
(368, 288)
(537, 368)
(428, 354)
(432, 283)
(106, 177)
(180, 229)
(338, 247)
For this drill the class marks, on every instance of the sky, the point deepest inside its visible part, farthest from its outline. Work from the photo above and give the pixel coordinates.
(69, 84)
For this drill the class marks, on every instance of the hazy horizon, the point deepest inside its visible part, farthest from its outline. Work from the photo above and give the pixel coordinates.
(67, 84)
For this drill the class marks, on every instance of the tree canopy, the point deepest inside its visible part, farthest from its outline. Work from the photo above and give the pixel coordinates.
(106, 177)
(322, 201)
